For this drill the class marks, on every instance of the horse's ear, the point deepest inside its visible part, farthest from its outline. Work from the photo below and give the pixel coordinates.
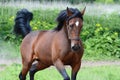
(83, 11)
(69, 13)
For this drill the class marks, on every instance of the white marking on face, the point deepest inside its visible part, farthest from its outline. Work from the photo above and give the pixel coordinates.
(72, 44)
(77, 23)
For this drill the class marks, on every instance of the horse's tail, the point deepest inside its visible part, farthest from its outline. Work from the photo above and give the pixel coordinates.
(22, 22)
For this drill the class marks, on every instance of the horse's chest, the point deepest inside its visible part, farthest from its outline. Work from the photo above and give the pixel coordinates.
(69, 59)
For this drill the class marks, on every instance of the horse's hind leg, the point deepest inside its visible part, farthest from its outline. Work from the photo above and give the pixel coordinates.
(25, 68)
(26, 62)
(33, 70)
(36, 67)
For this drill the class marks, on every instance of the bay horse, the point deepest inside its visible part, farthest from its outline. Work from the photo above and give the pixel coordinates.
(59, 47)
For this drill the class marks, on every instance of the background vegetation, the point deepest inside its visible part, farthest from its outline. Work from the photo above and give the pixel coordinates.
(71, 1)
(100, 34)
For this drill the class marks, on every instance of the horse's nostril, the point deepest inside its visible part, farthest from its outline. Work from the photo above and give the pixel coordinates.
(75, 47)
(78, 47)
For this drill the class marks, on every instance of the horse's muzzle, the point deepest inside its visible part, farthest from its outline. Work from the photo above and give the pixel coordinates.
(75, 47)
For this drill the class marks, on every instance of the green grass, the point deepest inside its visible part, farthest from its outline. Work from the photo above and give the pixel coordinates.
(86, 73)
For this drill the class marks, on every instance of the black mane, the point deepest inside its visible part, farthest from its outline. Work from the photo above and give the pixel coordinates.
(63, 16)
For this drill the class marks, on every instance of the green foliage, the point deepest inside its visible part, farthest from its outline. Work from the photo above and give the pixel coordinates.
(7, 16)
(70, 1)
(94, 73)
(105, 1)
(100, 34)
(44, 19)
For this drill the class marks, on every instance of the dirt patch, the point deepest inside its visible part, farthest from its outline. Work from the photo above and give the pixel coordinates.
(10, 61)
(99, 63)
(84, 63)
(6, 62)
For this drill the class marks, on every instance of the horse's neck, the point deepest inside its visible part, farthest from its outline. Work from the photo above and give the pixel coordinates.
(65, 32)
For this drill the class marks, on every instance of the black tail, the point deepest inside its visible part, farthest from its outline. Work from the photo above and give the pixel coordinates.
(22, 22)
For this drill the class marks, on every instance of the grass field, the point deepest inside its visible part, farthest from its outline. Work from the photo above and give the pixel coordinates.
(86, 73)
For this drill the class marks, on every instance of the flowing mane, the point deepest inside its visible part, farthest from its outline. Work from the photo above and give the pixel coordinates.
(63, 16)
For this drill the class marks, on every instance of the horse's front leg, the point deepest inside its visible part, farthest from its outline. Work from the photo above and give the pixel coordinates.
(75, 69)
(60, 67)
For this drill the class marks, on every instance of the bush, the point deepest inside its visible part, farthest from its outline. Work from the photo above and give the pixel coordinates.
(105, 1)
(100, 34)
